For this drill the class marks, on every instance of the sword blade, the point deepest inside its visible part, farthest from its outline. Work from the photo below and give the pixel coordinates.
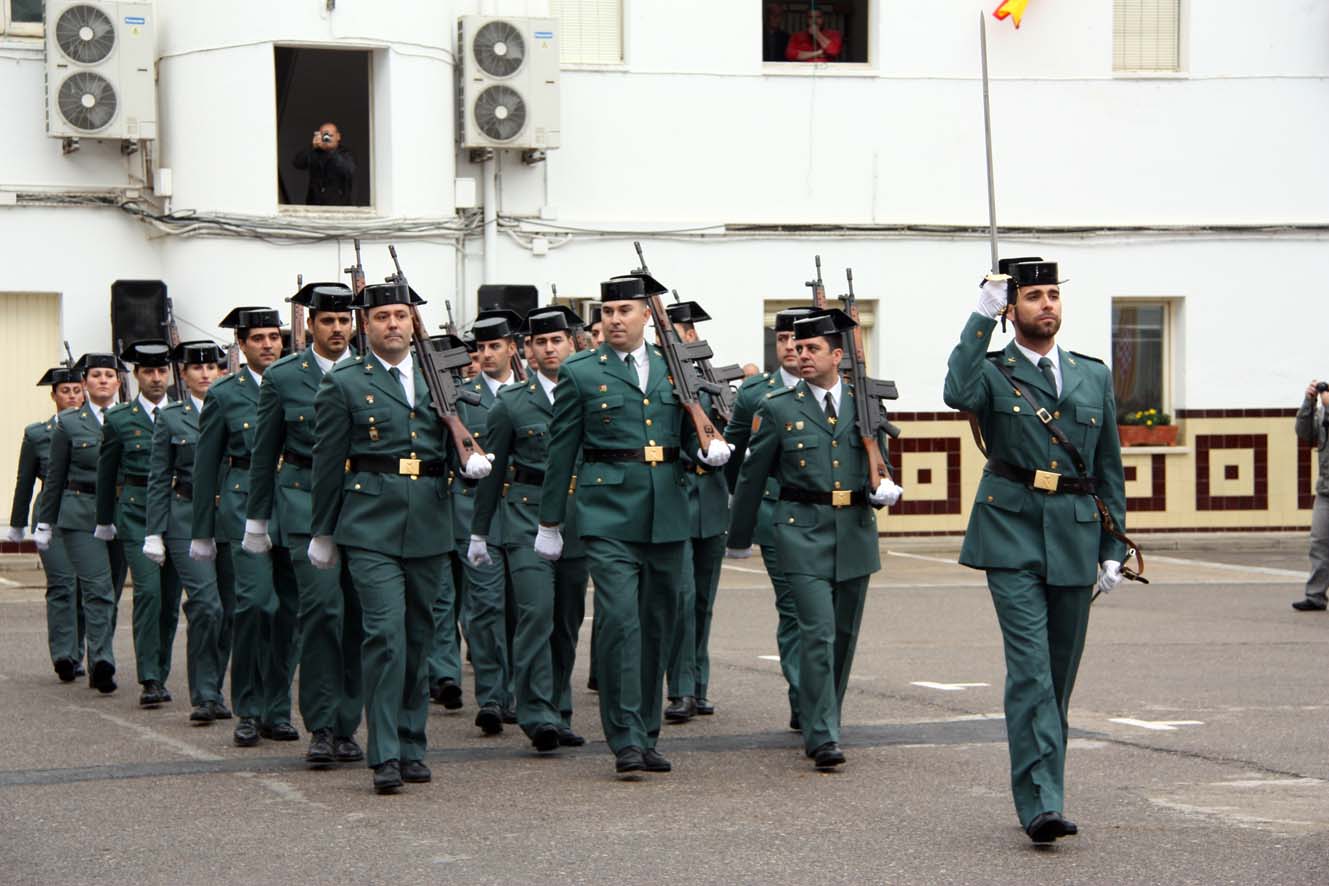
(987, 139)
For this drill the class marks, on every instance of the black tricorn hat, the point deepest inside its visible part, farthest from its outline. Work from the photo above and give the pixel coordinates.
(468, 342)
(99, 361)
(495, 324)
(627, 288)
(653, 286)
(59, 375)
(201, 351)
(555, 318)
(251, 318)
(784, 320)
(825, 322)
(449, 341)
(324, 297)
(1036, 273)
(686, 312)
(595, 315)
(377, 295)
(1006, 265)
(147, 352)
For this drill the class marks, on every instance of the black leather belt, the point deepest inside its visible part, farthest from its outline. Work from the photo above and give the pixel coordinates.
(840, 498)
(136, 479)
(650, 454)
(1043, 481)
(184, 488)
(85, 488)
(240, 461)
(529, 476)
(407, 467)
(295, 458)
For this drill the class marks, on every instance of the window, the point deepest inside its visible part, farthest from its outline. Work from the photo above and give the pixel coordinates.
(1146, 35)
(323, 95)
(842, 26)
(590, 32)
(1140, 354)
(22, 18)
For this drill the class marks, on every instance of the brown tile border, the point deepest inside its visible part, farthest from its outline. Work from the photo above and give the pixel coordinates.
(951, 504)
(1236, 413)
(1259, 499)
(929, 416)
(1305, 483)
(23, 547)
(1139, 531)
(1157, 498)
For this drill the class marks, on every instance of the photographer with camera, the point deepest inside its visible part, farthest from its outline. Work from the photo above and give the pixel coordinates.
(331, 168)
(1313, 430)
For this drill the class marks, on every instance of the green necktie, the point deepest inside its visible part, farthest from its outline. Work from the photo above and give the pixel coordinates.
(396, 374)
(1045, 365)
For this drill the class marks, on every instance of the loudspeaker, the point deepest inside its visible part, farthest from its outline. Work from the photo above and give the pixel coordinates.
(138, 311)
(521, 298)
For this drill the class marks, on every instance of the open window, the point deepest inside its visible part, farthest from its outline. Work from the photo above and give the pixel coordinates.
(801, 32)
(21, 18)
(324, 154)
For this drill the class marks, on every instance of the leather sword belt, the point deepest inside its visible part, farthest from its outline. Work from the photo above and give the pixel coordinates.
(528, 476)
(1043, 481)
(406, 467)
(296, 459)
(840, 498)
(136, 479)
(240, 461)
(651, 455)
(183, 488)
(85, 488)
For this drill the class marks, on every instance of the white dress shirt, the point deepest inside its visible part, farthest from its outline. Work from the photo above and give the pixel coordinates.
(325, 364)
(407, 367)
(198, 404)
(257, 378)
(1054, 355)
(494, 384)
(546, 385)
(150, 408)
(819, 394)
(788, 380)
(642, 362)
(98, 412)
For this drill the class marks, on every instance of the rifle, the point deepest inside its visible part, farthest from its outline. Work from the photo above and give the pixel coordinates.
(722, 392)
(173, 339)
(232, 358)
(817, 287)
(680, 357)
(123, 393)
(869, 412)
(297, 318)
(357, 272)
(69, 357)
(575, 333)
(438, 361)
(451, 327)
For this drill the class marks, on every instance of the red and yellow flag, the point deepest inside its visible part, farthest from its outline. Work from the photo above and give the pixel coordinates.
(1011, 8)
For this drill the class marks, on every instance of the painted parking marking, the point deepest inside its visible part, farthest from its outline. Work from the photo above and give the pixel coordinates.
(1155, 725)
(948, 687)
(923, 557)
(769, 657)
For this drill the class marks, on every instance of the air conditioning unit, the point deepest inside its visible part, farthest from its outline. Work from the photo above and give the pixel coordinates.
(509, 94)
(100, 81)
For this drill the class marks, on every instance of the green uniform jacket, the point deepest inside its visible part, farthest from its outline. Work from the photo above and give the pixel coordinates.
(33, 458)
(464, 492)
(1012, 526)
(75, 442)
(362, 410)
(126, 449)
(226, 430)
(750, 395)
(174, 440)
(597, 405)
(518, 437)
(794, 440)
(285, 424)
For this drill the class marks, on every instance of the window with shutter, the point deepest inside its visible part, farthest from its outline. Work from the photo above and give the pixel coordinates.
(590, 31)
(1146, 35)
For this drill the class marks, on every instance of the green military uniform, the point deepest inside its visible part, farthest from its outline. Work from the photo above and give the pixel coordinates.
(64, 608)
(282, 469)
(170, 514)
(826, 553)
(122, 479)
(1040, 550)
(266, 639)
(750, 395)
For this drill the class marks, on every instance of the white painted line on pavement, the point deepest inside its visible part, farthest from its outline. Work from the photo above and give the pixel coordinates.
(947, 687)
(1228, 567)
(9, 583)
(1155, 725)
(741, 569)
(922, 557)
(769, 657)
(183, 748)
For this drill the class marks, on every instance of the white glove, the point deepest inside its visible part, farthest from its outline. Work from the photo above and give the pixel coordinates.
(154, 549)
(42, 537)
(887, 493)
(104, 531)
(256, 539)
(549, 542)
(478, 466)
(477, 552)
(1109, 576)
(737, 553)
(716, 454)
(203, 549)
(323, 552)
(15, 534)
(991, 298)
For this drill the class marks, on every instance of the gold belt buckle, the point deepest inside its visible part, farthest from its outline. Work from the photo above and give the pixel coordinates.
(653, 454)
(1046, 481)
(842, 498)
(409, 467)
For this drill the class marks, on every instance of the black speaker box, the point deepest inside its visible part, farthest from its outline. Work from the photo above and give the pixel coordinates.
(138, 311)
(521, 298)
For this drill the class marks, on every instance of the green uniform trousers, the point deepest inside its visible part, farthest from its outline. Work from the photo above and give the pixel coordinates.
(829, 613)
(64, 603)
(100, 567)
(331, 695)
(203, 615)
(225, 569)
(550, 606)
(488, 606)
(396, 599)
(445, 652)
(689, 654)
(156, 612)
(636, 607)
(1042, 630)
(267, 637)
(786, 627)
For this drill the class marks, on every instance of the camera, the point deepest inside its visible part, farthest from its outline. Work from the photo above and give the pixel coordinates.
(327, 138)
(1321, 387)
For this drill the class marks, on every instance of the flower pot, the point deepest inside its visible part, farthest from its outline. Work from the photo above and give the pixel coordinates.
(1145, 435)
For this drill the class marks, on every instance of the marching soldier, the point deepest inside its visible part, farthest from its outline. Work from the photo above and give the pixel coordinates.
(750, 395)
(168, 527)
(330, 691)
(64, 609)
(825, 533)
(615, 408)
(381, 461)
(267, 606)
(1049, 419)
(550, 597)
(122, 481)
(689, 668)
(68, 505)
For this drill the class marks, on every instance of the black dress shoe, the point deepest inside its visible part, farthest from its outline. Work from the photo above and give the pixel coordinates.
(151, 696)
(794, 723)
(545, 738)
(320, 755)
(509, 713)
(446, 692)
(654, 762)
(489, 719)
(629, 760)
(828, 756)
(1048, 826)
(103, 677)
(387, 777)
(78, 670)
(1308, 605)
(202, 714)
(568, 738)
(704, 708)
(279, 731)
(592, 683)
(246, 732)
(681, 710)
(416, 772)
(346, 750)
(64, 669)
(165, 693)
(220, 711)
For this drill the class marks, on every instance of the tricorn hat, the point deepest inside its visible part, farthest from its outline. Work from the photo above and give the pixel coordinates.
(147, 352)
(652, 285)
(626, 288)
(378, 295)
(251, 318)
(59, 375)
(495, 324)
(595, 315)
(686, 312)
(202, 351)
(468, 342)
(1006, 265)
(99, 361)
(1036, 273)
(784, 320)
(555, 318)
(830, 321)
(324, 297)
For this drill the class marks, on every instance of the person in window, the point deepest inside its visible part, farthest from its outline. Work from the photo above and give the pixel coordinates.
(331, 168)
(775, 39)
(814, 44)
